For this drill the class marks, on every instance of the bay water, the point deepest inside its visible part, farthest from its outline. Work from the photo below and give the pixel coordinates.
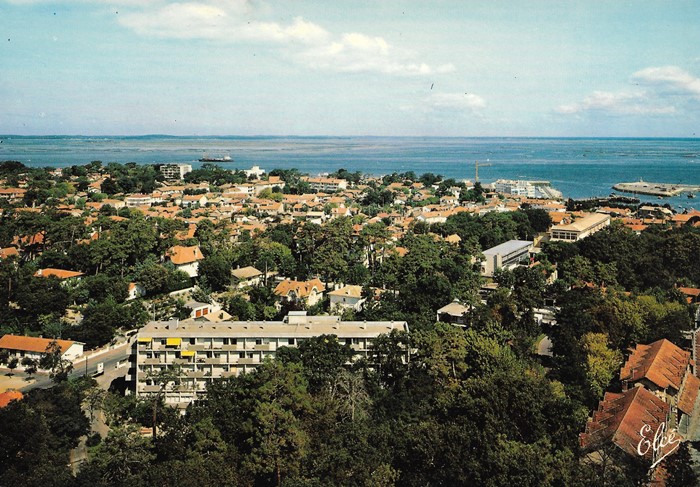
(578, 167)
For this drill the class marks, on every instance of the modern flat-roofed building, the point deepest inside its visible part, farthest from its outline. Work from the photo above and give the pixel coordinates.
(134, 200)
(175, 171)
(505, 255)
(581, 228)
(198, 352)
(326, 185)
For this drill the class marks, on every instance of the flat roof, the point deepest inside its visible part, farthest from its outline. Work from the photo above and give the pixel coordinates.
(312, 326)
(584, 223)
(508, 247)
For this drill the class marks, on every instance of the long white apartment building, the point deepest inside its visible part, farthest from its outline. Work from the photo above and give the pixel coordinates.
(198, 352)
(530, 189)
(580, 228)
(325, 184)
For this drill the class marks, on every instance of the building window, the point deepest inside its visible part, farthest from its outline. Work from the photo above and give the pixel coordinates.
(258, 341)
(193, 341)
(291, 341)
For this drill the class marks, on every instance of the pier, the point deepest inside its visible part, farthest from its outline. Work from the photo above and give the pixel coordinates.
(655, 189)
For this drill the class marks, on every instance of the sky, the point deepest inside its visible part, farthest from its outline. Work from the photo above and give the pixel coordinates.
(363, 67)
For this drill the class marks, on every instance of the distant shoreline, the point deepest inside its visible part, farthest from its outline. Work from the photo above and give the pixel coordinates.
(408, 137)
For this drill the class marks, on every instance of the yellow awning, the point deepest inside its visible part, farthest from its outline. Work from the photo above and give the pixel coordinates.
(145, 339)
(187, 353)
(173, 342)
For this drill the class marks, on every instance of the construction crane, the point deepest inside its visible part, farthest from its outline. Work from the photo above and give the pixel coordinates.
(476, 167)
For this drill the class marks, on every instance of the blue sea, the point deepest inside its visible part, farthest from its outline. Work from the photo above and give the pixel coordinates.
(578, 167)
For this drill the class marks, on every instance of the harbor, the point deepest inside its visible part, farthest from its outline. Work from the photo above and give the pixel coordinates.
(663, 190)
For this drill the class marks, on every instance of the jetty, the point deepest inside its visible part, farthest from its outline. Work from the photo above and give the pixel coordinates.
(655, 189)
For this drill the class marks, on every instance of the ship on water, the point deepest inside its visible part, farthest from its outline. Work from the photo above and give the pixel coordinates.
(206, 158)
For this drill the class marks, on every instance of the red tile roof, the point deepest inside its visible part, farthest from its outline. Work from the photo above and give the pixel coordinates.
(31, 344)
(184, 255)
(302, 289)
(689, 394)
(8, 396)
(59, 273)
(620, 417)
(661, 362)
(7, 252)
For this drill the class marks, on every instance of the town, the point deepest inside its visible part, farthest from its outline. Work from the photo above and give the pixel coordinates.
(265, 327)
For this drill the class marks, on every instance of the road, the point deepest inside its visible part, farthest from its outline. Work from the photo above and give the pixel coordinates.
(112, 359)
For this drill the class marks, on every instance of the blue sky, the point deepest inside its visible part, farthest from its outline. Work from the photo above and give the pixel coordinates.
(364, 67)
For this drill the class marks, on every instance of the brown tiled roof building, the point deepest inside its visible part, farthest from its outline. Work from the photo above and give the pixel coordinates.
(620, 417)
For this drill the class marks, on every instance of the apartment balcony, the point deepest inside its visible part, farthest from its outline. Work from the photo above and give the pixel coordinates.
(153, 361)
(248, 361)
(145, 388)
(266, 347)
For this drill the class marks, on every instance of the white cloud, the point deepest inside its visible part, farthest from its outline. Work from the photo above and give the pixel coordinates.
(451, 105)
(355, 52)
(665, 91)
(179, 20)
(236, 21)
(311, 44)
(671, 79)
(621, 103)
(455, 102)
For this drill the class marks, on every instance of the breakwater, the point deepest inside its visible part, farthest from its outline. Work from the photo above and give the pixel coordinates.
(655, 189)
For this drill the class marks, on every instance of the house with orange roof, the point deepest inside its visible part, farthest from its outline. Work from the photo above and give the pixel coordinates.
(12, 194)
(8, 396)
(194, 199)
(33, 347)
(185, 259)
(665, 370)
(619, 419)
(61, 274)
(135, 290)
(689, 218)
(300, 292)
(8, 252)
(659, 366)
(692, 294)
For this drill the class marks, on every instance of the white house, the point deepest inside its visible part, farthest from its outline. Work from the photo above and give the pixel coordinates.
(186, 259)
(246, 276)
(33, 347)
(347, 297)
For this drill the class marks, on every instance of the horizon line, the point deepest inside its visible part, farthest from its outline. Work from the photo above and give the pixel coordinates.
(693, 137)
